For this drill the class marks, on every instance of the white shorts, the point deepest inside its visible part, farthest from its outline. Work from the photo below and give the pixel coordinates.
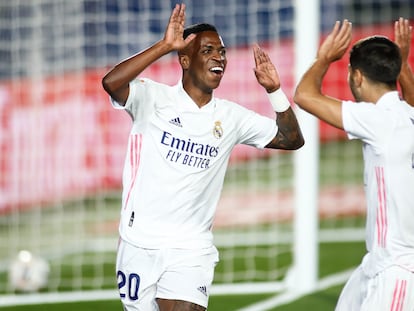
(389, 290)
(179, 274)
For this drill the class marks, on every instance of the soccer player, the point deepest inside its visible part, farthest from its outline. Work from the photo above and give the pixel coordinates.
(385, 125)
(178, 150)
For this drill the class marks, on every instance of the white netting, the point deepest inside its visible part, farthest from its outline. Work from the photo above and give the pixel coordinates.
(62, 146)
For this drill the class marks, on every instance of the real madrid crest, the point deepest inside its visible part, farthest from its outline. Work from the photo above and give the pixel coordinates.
(217, 130)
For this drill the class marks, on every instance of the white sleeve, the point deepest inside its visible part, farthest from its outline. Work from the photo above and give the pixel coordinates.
(138, 90)
(363, 121)
(256, 130)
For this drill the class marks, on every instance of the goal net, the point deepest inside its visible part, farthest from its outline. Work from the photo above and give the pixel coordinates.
(62, 145)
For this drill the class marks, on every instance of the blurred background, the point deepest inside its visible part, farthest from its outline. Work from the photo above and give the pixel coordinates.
(62, 145)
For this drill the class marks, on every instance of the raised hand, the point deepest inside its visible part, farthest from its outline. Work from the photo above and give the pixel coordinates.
(337, 42)
(265, 71)
(174, 32)
(403, 35)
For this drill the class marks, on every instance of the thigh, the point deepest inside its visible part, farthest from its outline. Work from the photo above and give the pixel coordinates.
(136, 271)
(392, 290)
(178, 305)
(189, 277)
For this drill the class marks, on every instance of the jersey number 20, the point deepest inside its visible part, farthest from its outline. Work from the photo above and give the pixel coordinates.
(128, 285)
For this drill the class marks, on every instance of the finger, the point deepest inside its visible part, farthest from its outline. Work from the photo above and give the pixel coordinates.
(346, 28)
(258, 53)
(345, 34)
(190, 38)
(181, 13)
(264, 57)
(408, 28)
(400, 27)
(402, 31)
(397, 30)
(335, 28)
(175, 13)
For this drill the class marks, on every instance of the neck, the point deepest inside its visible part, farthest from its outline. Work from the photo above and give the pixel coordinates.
(377, 92)
(200, 97)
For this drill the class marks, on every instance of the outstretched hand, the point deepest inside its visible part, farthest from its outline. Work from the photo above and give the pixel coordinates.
(174, 33)
(336, 43)
(265, 71)
(403, 34)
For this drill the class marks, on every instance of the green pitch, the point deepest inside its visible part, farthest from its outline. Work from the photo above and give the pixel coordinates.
(333, 258)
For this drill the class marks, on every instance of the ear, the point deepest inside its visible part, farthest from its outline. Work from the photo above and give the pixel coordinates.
(184, 61)
(357, 77)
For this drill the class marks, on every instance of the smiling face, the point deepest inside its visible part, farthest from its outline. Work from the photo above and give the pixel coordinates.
(204, 62)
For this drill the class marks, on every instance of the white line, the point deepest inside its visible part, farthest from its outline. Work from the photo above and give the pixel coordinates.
(284, 298)
(289, 296)
(45, 298)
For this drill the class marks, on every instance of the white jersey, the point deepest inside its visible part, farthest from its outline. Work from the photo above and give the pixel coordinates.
(176, 161)
(387, 132)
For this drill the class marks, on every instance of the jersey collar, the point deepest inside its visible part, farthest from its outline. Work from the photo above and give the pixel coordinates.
(187, 103)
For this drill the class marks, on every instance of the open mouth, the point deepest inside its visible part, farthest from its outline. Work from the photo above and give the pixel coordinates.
(217, 70)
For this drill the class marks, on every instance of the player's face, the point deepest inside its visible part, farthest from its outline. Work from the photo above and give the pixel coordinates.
(208, 61)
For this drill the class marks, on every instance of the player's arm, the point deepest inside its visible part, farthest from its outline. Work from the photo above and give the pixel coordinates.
(289, 135)
(116, 81)
(308, 94)
(403, 35)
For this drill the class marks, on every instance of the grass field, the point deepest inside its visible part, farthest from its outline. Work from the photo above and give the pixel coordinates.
(333, 258)
(321, 301)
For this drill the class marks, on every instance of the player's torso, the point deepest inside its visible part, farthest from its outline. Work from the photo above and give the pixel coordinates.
(175, 167)
(180, 137)
(389, 175)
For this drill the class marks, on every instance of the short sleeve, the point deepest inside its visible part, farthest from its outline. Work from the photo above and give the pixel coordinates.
(363, 121)
(256, 130)
(137, 102)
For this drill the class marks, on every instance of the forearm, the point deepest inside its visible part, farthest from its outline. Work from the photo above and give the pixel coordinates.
(406, 81)
(116, 81)
(310, 85)
(289, 135)
(310, 98)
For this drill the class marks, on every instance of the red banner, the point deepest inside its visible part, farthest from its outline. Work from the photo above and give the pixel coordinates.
(61, 139)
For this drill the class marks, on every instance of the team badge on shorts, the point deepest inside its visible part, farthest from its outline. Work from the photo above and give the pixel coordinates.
(217, 130)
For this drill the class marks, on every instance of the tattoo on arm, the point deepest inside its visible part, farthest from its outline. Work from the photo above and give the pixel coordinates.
(289, 135)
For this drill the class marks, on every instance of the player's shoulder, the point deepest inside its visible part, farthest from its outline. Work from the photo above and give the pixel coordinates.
(153, 90)
(230, 105)
(149, 83)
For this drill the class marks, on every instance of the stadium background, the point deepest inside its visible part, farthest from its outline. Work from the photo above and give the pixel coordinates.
(64, 80)
(62, 145)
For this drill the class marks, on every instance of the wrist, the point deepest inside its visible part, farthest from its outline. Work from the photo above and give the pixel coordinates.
(279, 100)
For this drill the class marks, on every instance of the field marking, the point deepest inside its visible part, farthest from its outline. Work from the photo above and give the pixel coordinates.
(281, 299)
(292, 295)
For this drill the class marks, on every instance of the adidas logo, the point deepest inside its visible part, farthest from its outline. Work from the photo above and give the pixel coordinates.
(176, 121)
(203, 289)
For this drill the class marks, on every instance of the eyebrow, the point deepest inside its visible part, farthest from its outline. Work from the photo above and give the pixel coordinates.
(212, 46)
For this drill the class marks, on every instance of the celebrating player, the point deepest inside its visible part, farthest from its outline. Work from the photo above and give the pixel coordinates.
(385, 125)
(178, 150)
